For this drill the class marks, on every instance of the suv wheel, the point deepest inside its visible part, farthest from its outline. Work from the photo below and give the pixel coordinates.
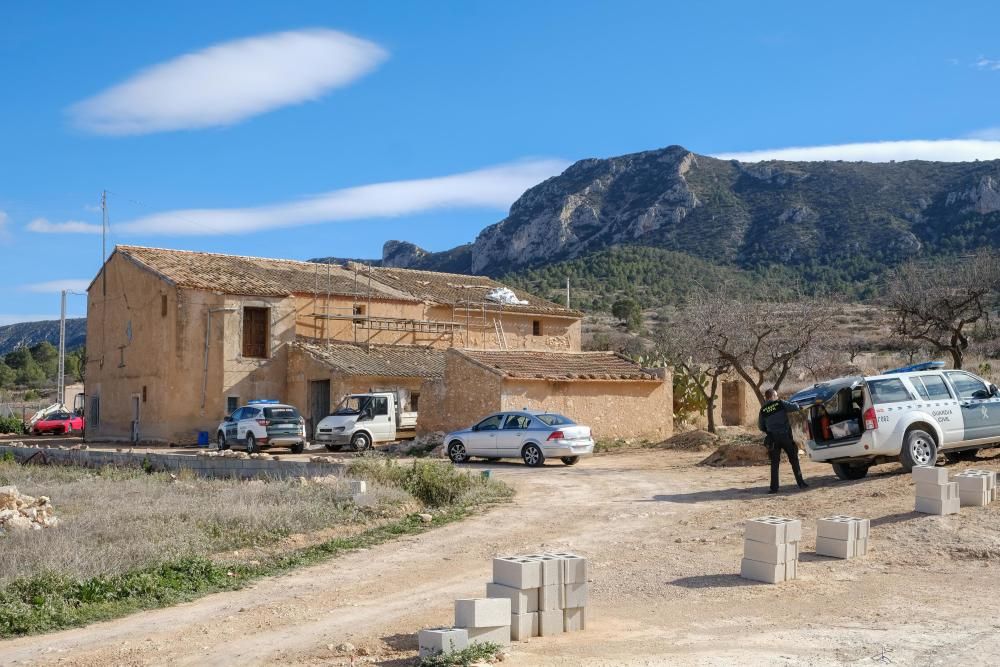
(532, 456)
(221, 441)
(251, 444)
(298, 448)
(361, 442)
(848, 471)
(919, 449)
(456, 452)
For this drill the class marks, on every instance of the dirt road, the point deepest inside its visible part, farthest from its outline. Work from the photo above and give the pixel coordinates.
(664, 537)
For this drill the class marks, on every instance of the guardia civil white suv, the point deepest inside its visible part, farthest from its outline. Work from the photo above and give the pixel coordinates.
(907, 414)
(261, 424)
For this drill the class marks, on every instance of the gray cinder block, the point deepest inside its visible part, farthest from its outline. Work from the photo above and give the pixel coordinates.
(574, 567)
(837, 528)
(517, 572)
(770, 573)
(551, 597)
(791, 569)
(972, 483)
(521, 601)
(834, 548)
(932, 506)
(552, 568)
(575, 596)
(770, 553)
(936, 491)
(575, 619)
(482, 612)
(773, 530)
(523, 626)
(550, 623)
(438, 641)
(498, 635)
(975, 498)
(930, 474)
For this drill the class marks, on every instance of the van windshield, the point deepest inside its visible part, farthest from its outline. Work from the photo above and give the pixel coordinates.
(353, 405)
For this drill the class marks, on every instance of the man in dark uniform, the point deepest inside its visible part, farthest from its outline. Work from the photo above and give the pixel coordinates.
(773, 421)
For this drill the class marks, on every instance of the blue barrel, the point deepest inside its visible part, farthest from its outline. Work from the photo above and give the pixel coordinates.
(203, 438)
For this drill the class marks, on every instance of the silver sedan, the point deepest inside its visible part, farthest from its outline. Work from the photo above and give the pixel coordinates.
(528, 435)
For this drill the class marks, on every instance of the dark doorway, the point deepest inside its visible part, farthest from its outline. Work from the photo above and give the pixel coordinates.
(319, 403)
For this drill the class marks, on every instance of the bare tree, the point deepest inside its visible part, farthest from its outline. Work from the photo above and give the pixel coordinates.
(760, 340)
(682, 345)
(940, 306)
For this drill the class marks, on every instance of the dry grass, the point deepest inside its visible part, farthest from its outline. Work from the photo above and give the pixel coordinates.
(118, 520)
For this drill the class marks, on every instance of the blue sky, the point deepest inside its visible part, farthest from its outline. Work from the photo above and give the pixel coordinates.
(316, 128)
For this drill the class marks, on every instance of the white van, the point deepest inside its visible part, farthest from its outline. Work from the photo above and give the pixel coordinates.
(362, 420)
(908, 414)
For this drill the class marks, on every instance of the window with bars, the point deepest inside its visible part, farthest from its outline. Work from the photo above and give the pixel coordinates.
(255, 332)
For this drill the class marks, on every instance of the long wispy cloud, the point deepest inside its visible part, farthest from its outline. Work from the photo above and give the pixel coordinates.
(491, 188)
(982, 62)
(4, 229)
(940, 150)
(229, 82)
(57, 286)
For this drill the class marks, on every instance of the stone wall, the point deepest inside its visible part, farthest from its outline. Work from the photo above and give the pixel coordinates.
(468, 393)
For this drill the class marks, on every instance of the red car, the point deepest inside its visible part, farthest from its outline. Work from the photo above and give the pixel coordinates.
(58, 422)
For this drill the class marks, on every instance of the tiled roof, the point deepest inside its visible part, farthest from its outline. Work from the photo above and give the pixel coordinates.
(558, 365)
(377, 360)
(456, 288)
(258, 276)
(234, 274)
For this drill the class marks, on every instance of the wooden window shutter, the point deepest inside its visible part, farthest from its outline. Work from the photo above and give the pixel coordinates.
(255, 338)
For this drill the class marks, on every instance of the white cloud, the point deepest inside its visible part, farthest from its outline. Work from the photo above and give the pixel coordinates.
(69, 227)
(229, 82)
(57, 286)
(942, 150)
(987, 133)
(492, 187)
(4, 231)
(983, 62)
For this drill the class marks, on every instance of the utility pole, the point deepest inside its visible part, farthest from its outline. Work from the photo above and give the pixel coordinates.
(61, 383)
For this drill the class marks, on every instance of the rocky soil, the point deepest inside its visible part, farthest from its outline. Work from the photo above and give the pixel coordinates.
(19, 511)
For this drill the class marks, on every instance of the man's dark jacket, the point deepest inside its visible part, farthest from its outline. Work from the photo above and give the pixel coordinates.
(773, 418)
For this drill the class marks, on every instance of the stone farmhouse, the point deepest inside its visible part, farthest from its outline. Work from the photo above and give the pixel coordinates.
(177, 339)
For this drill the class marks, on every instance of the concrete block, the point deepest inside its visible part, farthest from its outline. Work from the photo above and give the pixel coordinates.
(575, 619)
(517, 572)
(770, 553)
(576, 596)
(861, 547)
(550, 623)
(972, 483)
(864, 528)
(933, 506)
(521, 601)
(990, 475)
(837, 528)
(975, 498)
(498, 635)
(936, 491)
(482, 612)
(767, 572)
(773, 530)
(834, 548)
(930, 474)
(793, 530)
(438, 641)
(551, 597)
(791, 569)
(523, 626)
(574, 567)
(552, 568)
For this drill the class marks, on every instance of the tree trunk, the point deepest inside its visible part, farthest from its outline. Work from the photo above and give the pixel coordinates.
(711, 403)
(956, 356)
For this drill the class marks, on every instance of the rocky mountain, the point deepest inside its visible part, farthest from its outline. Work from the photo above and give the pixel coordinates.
(32, 333)
(846, 220)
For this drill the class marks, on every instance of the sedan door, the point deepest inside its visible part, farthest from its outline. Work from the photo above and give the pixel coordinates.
(482, 441)
(511, 436)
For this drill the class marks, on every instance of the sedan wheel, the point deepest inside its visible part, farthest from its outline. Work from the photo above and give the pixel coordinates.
(457, 453)
(532, 456)
(570, 460)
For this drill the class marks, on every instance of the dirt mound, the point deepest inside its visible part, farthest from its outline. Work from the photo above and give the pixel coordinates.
(691, 441)
(737, 455)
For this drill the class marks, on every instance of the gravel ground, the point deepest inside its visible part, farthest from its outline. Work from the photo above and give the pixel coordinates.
(664, 536)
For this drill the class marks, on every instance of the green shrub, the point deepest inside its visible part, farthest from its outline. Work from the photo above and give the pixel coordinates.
(433, 483)
(476, 653)
(13, 425)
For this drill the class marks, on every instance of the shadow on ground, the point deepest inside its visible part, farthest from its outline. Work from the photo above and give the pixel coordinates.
(714, 581)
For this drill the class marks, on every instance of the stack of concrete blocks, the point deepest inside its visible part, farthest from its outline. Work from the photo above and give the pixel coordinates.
(547, 593)
(935, 494)
(771, 549)
(440, 641)
(484, 619)
(842, 536)
(976, 488)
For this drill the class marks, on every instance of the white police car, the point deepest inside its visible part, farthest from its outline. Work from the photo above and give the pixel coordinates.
(261, 424)
(908, 414)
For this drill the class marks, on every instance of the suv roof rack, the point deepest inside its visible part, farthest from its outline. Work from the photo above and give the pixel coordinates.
(922, 366)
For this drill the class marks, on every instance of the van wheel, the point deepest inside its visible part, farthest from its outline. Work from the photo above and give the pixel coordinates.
(570, 460)
(966, 455)
(919, 449)
(220, 440)
(361, 442)
(848, 471)
(532, 456)
(298, 448)
(457, 453)
(251, 444)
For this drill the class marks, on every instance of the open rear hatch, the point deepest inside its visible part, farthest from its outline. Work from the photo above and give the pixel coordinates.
(834, 411)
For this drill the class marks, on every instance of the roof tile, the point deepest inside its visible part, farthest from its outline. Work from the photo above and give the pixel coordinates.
(559, 365)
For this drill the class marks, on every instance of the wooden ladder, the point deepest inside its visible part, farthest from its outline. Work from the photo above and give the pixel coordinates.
(501, 337)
